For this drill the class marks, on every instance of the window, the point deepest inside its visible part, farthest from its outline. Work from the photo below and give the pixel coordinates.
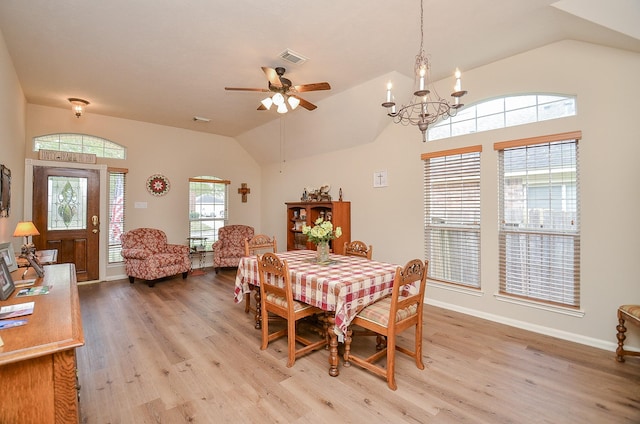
(504, 112)
(80, 143)
(117, 184)
(539, 235)
(207, 209)
(452, 215)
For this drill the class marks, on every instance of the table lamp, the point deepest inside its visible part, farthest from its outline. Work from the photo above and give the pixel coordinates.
(26, 229)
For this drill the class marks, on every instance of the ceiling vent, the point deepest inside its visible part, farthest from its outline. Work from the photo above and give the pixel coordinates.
(293, 57)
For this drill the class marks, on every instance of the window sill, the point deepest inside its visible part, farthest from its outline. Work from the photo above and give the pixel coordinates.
(579, 313)
(455, 288)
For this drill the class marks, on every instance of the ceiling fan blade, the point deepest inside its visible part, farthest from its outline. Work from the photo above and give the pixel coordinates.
(272, 76)
(263, 90)
(312, 87)
(305, 104)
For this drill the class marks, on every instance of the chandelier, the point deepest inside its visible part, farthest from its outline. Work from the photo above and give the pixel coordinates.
(426, 106)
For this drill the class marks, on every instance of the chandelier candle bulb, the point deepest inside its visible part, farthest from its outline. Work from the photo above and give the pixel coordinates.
(389, 92)
(458, 86)
(422, 72)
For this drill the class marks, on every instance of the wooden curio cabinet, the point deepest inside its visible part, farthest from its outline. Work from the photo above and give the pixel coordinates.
(299, 213)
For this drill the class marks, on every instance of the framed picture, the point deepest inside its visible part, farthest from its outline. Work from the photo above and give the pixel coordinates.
(35, 264)
(9, 256)
(6, 282)
(5, 190)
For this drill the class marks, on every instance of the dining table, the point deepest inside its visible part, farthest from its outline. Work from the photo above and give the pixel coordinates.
(341, 286)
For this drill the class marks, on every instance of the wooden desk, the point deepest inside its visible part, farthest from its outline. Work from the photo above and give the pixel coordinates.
(342, 287)
(38, 362)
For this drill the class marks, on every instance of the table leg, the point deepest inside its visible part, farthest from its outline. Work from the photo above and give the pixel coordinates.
(333, 348)
(347, 347)
(258, 317)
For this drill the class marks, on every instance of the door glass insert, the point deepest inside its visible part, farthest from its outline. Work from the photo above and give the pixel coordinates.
(67, 203)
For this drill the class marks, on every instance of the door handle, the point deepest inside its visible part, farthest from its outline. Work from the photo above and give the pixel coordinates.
(94, 220)
(95, 231)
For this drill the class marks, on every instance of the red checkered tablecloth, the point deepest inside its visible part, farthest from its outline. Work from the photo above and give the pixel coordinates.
(344, 286)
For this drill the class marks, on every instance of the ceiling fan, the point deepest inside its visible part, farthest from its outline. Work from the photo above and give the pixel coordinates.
(284, 92)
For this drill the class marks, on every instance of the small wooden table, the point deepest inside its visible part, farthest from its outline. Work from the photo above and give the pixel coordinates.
(38, 382)
(45, 257)
(342, 287)
(198, 250)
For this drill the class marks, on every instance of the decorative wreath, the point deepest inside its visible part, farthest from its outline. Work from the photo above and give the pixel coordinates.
(158, 185)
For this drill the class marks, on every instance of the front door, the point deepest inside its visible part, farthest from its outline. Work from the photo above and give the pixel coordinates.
(66, 205)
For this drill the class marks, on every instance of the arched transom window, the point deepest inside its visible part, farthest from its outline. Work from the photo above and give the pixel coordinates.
(504, 112)
(80, 143)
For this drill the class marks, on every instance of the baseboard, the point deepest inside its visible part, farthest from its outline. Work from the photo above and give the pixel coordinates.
(116, 277)
(564, 335)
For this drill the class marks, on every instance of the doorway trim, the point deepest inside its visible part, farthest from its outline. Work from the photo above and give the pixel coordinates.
(29, 164)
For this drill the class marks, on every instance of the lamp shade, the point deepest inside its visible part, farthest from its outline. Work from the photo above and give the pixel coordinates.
(293, 102)
(267, 103)
(278, 99)
(282, 108)
(25, 229)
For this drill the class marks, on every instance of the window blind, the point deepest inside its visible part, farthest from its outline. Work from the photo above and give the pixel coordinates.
(452, 215)
(539, 235)
(208, 209)
(117, 186)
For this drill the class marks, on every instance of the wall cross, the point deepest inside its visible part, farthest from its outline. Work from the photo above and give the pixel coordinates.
(244, 190)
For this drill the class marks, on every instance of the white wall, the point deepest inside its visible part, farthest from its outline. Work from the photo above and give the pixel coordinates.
(392, 218)
(12, 121)
(176, 153)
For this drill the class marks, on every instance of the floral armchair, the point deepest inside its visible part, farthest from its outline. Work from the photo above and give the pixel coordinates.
(148, 256)
(229, 247)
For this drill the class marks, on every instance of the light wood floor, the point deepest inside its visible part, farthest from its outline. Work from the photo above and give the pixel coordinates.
(183, 351)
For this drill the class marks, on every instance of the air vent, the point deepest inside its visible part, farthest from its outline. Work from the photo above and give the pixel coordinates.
(293, 57)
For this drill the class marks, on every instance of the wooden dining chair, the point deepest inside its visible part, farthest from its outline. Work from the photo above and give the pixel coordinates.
(390, 316)
(279, 300)
(259, 243)
(630, 313)
(358, 248)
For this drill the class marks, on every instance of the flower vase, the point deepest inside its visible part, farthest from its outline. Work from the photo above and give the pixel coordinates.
(322, 249)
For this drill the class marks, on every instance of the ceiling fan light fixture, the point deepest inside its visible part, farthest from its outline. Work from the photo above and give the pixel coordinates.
(293, 102)
(278, 99)
(267, 103)
(282, 107)
(282, 92)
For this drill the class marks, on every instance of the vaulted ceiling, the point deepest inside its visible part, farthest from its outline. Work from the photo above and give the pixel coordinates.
(167, 61)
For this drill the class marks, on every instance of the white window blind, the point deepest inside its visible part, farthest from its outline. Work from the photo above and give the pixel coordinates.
(452, 215)
(117, 185)
(539, 236)
(208, 208)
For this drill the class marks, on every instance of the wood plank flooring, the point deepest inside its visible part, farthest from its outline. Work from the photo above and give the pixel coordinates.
(184, 352)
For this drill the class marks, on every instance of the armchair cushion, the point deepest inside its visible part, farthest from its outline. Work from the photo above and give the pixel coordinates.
(229, 247)
(135, 253)
(148, 256)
